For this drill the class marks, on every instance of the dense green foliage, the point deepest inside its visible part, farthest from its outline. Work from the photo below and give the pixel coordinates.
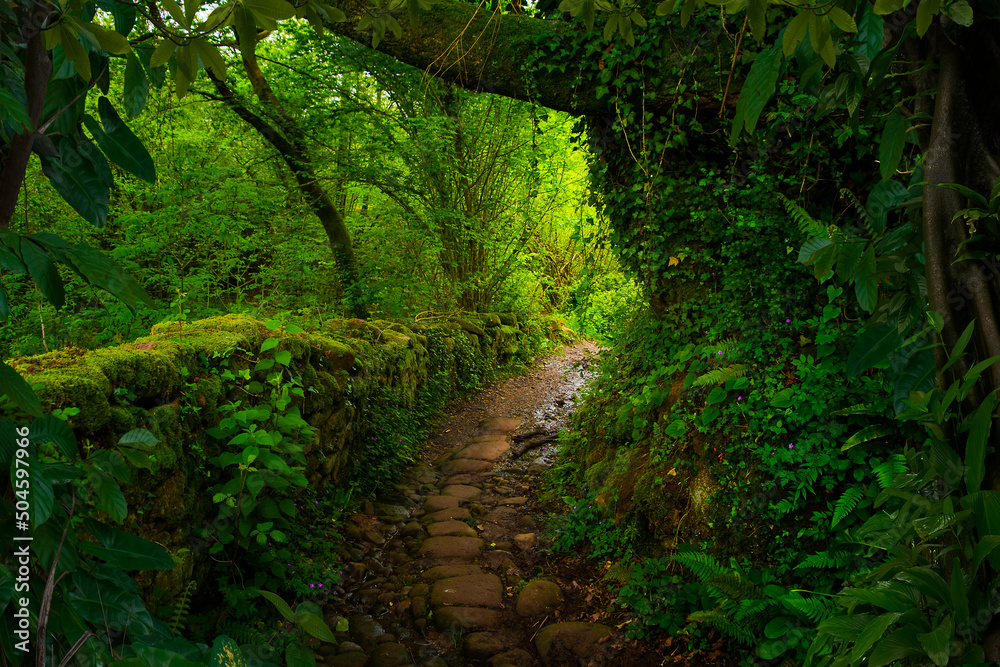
(791, 434)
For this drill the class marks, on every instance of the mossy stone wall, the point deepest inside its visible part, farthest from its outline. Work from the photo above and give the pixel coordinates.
(168, 383)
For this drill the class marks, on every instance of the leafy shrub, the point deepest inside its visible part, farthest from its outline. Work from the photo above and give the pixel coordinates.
(604, 305)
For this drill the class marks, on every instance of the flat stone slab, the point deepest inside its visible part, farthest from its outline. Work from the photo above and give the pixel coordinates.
(502, 515)
(438, 503)
(463, 478)
(459, 528)
(462, 491)
(483, 645)
(390, 654)
(445, 571)
(466, 618)
(489, 450)
(452, 547)
(501, 424)
(473, 590)
(447, 514)
(465, 465)
(562, 640)
(516, 500)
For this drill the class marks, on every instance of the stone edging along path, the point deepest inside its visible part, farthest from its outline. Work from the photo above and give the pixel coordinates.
(441, 571)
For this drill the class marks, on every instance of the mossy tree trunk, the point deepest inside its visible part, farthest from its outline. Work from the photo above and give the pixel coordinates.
(284, 134)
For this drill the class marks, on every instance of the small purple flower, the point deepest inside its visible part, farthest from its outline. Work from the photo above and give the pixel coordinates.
(720, 351)
(791, 446)
(787, 321)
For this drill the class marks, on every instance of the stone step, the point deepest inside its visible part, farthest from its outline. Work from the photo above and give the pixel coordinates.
(466, 618)
(462, 491)
(442, 502)
(473, 590)
(489, 450)
(457, 528)
(452, 547)
(455, 466)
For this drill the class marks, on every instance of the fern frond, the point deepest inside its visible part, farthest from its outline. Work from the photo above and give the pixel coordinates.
(846, 504)
(867, 434)
(735, 586)
(815, 607)
(751, 608)
(704, 566)
(723, 624)
(828, 560)
(886, 471)
(806, 223)
(720, 375)
(181, 609)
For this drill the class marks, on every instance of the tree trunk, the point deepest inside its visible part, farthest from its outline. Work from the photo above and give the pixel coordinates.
(290, 143)
(37, 67)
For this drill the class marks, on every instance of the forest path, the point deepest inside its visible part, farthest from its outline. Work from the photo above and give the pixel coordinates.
(450, 569)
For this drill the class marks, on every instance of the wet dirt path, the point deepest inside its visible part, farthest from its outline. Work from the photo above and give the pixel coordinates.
(451, 569)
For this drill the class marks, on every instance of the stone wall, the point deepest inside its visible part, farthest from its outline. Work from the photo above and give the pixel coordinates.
(169, 383)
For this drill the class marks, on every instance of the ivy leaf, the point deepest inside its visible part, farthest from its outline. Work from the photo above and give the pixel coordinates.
(890, 148)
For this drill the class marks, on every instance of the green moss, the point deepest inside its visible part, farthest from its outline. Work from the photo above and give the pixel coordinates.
(78, 386)
(146, 372)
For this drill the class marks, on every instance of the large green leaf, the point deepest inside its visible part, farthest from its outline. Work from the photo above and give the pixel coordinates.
(873, 631)
(104, 604)
(19, 391)
(279, 604)
(109, 496)
(899, 645)
(48, 429)
(43, 271)
(78, 180)
(123, 550)
(865, 283)
(913, 373)
(313, 623)
(136, 86)
(119, 143)
(757, 90)
(884, 197)
(890, 148)
(975, 448)
(928, 582)
(873, 347)
(226, 653)
(101, 271)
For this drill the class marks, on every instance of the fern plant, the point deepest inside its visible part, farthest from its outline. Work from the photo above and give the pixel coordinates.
(771, 617)
(720, 375)
(182, 608)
